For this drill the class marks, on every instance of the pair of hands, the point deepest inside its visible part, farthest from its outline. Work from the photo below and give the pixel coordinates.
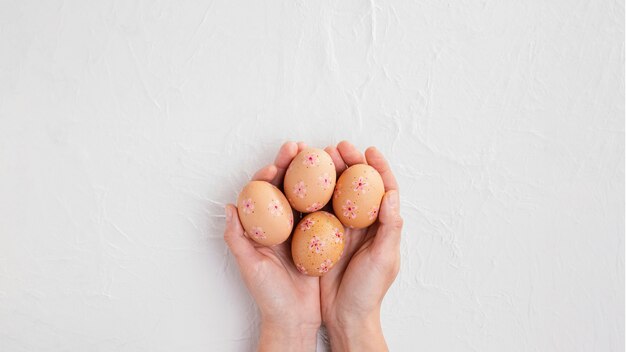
(348, 298)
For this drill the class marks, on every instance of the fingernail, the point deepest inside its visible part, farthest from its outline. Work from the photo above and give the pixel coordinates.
(229, 213)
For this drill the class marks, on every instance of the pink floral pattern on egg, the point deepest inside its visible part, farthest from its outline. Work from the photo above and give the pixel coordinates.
(324, 181)
(258, 233)
(316, 245)
(299, 189)
(311, 160)
(313, 207)
(306, 224)
(359, 185)
(247, 205)
(301, 268)
(275, 208)
(373, 213)
(325, 266)
(338, 235)
(349, 209)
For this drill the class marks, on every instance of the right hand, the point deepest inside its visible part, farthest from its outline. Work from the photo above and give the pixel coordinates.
(352, 293)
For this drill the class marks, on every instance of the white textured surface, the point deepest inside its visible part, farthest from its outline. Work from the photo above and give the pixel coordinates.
(126, 125)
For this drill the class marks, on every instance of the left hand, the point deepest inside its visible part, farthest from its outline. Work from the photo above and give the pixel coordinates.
(289, 301)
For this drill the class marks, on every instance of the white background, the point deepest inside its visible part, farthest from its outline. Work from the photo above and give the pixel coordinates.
(125, 126)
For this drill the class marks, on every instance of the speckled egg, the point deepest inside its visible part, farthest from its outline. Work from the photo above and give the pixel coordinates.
(310, 180)
(357, 196)
(317, 243)
(264, 213)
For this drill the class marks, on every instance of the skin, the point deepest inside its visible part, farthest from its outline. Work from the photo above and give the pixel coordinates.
(348, 298)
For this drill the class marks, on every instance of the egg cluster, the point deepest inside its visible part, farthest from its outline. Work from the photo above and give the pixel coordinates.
(267, 215)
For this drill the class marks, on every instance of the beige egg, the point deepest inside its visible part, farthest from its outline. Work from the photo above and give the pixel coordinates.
(264, 213)
(357, 196)
(317, 243)
(310, 180)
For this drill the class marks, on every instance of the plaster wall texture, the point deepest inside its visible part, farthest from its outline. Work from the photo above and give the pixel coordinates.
(125, 126)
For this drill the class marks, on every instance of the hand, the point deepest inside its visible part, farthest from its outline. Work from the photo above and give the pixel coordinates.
(289, 301)
(352, 293)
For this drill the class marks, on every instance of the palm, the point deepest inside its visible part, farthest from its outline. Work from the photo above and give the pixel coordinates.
(298, 293)
(345, 286)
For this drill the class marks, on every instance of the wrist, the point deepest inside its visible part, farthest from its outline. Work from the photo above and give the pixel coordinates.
(287, 337)
(356, 333)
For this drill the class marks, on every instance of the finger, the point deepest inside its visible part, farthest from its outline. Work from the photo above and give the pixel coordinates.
(376, 159)
(242, 248)
(340, 165)
(387, 238)
(285, 155)
(265, 174)
(350, 154)
(301, 146)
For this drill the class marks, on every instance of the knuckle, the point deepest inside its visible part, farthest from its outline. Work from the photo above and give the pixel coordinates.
(227, 235)
(397, 223)
(228, 239)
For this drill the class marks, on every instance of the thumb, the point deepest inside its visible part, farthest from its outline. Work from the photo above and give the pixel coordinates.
(235, 238)
(388, 236)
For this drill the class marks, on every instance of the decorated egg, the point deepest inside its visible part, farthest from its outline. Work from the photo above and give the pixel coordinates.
(357, 196)
(264, 213)
(317, 243)
(310, 180)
